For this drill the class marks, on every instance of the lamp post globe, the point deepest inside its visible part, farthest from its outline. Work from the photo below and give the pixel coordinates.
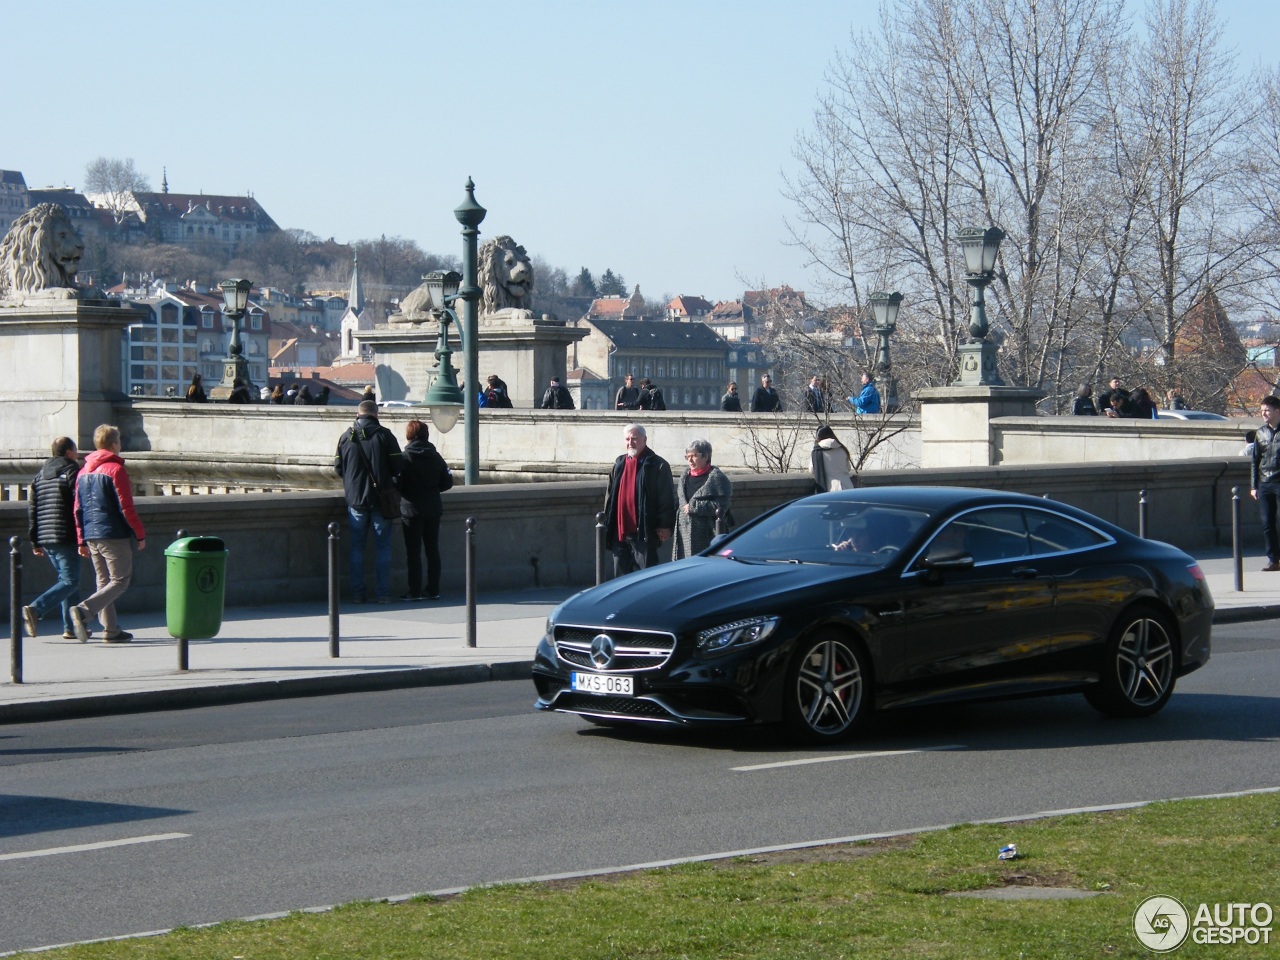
(980, 246)
(884, 307)
(235, 303)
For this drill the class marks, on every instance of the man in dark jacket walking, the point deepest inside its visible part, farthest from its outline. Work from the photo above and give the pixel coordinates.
(1264, 479)
(640, 507)
(731, 402)
(628, 396)
(651, 396)
(423, 477)
(51, 527)
(369, 460)
(765, 399)
(557, 397)
(106, 525)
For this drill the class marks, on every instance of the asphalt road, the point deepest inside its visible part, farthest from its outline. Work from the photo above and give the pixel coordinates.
(127, 824)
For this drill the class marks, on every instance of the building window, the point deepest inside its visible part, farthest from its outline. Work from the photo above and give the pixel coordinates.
(662, 368)
(255, 322)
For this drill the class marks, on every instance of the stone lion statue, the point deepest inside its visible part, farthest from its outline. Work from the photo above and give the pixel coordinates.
(506, 276)
(40, 254)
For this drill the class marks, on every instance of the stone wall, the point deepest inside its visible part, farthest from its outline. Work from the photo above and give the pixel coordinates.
(543, 534)
(264, 445)
(1023, 440)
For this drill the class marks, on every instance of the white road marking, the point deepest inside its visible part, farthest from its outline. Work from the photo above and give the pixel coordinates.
(82, 847)
(845, 756)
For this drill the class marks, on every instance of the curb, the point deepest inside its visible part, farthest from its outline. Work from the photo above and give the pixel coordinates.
(1246, 614)
(101, 705)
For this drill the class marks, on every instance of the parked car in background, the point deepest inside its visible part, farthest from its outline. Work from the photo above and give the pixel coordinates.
(1189, 415)
(828, 607)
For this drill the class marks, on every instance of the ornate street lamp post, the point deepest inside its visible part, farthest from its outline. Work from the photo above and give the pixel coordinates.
(978, 355)
(444, 397)
(885, 308)
(235, 301)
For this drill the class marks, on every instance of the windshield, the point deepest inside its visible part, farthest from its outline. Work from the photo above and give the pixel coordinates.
(820, 531)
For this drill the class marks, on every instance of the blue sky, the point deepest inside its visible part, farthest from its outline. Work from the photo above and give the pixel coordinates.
(648, 137)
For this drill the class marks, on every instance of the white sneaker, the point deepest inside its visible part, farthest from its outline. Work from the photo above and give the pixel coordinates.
(78, 617)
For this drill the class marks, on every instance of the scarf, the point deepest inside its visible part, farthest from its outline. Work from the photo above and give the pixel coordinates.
(628, 511)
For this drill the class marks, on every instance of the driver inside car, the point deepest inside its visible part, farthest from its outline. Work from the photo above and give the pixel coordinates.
(859, 540)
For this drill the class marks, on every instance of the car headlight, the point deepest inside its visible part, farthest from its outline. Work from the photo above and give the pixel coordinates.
(740, 633)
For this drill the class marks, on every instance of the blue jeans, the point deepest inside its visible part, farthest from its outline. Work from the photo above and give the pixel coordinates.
(360, 521)
(1268, 504)
(64, 593)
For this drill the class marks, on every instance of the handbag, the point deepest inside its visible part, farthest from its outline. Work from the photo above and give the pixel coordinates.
(388, 503)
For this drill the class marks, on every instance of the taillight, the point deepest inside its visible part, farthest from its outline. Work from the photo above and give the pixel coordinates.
(1196, 573)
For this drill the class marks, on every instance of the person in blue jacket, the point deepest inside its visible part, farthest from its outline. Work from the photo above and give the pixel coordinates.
(868, 398)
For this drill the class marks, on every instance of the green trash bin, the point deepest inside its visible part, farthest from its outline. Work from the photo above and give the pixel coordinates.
(195, 574)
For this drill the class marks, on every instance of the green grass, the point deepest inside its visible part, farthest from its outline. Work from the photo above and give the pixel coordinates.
(877, 900)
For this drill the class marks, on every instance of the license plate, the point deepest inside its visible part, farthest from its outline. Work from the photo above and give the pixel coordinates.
(602, 683)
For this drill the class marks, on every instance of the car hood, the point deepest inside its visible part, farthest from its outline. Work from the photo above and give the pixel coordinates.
(700, 589)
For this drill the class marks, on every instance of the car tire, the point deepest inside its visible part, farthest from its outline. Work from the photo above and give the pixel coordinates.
(1139, 665)
(828, 690)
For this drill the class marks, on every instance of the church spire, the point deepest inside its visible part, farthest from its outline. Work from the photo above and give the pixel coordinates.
(164, 180)
(355, 297)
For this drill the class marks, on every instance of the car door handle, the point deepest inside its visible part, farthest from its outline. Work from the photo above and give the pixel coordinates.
(1026, 573)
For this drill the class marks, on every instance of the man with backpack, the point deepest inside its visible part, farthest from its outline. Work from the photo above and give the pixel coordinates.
(368, 459)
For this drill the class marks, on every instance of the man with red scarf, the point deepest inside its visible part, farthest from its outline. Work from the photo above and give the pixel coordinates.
(640, 508)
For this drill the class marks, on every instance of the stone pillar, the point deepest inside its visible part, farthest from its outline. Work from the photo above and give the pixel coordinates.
(955, 422)
(63, 368)
(523, 352)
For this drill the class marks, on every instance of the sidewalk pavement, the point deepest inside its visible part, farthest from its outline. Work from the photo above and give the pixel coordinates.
(282, 651)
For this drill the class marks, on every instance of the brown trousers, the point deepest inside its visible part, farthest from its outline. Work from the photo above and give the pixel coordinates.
(113, 567)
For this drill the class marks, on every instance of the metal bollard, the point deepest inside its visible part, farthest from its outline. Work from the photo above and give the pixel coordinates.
(15, 609)
(1142, 514)
(1237, 550)
(719, 527)
(471, 581)
(334, 587)
(599, 548)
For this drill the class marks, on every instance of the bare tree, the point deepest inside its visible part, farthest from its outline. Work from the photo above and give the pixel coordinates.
(112, 183)
(779, 443)
(930, 125)
(1114, 165)
(1188, 115)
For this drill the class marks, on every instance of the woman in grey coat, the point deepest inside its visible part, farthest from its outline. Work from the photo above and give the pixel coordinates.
(699, 491)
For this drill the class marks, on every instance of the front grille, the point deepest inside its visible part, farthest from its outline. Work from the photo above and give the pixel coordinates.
(612, 706)
(634, 650)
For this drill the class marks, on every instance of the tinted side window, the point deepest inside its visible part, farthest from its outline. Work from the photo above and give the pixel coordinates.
(1051, 533)
(987, 535)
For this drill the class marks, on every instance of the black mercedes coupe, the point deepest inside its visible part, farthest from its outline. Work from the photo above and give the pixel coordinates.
(826, 608)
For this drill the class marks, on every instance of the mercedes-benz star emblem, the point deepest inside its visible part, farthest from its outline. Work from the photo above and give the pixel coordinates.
(602, 650)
